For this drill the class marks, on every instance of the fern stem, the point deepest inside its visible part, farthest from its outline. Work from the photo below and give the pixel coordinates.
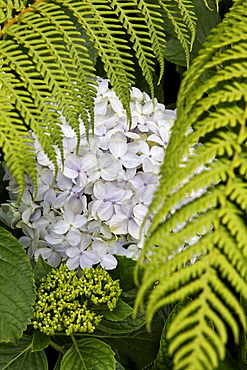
(16, 19)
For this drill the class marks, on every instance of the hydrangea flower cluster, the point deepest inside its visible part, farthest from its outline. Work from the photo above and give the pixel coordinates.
(96, 205)
(65, 302)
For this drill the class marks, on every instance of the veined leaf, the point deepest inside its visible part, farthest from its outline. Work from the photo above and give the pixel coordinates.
(17, 293)
(198, 247)
(88, 354)
(21, 357)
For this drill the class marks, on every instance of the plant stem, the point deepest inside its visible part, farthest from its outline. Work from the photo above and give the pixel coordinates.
(57, 347)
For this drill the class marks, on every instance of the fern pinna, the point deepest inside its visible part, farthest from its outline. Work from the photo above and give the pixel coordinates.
(213, 101)
(48, 51)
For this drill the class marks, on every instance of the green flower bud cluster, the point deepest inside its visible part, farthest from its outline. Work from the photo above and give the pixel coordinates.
(99, 288)
(64, 301)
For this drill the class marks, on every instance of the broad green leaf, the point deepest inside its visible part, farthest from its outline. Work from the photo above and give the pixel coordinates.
(119, 366)
(21, 357)
(124, 272)
(40, 341)
(42, 268)
(228, 363)
(127, 325)
(119, 313)
(17, 291)
(164, 360)
(89, 354)
(138, 349)
(206, 21)
(58, 363)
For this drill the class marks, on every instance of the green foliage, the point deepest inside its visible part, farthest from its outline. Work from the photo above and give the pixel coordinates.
(16, 281)
(206, 20)
(212, 99)
(88, 354)
(39, 80)
(21, 356)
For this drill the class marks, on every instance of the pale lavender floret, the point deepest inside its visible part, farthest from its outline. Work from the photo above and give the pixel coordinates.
(30, 240)
(162, 136)
(144, 180)
(123, 152)
(100, 197)
(80, 256)
(125, 221)
(69, 221)
(76, 167)
(46, 177)
(51, 256)
(107, 195)
(27, 207)
(107, 261)
(106, 168)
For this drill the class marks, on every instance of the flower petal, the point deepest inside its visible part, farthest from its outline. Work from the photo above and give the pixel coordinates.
(108, 261)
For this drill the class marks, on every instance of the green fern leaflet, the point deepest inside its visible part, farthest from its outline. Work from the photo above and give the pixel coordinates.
(47, 66)
(213, 100)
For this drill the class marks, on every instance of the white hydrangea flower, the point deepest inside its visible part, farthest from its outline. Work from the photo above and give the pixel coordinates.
(96, 206)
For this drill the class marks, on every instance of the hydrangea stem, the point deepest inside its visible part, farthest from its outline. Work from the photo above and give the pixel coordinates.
(57, 347)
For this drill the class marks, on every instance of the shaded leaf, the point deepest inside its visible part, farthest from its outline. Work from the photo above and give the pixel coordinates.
(119, 366)
(228, 363)
(127, 325)
(88, 354)
(40, 341)
(17, 291)
(42, 268)
(164, 360)
(206, 21)
(124, 272)
(21, 357)
(138, 349)
(58, 363)
(119, 313)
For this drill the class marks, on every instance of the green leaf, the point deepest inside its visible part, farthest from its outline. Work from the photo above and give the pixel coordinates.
(124, 272)
(58, 363)
(119, 366)
(88, 354)
(40, 341)
(21, 357)
(206, 21)
(164, 360)
(127, 325)
(119, 313)
(42, 268)
(137, 350)
(228, 363)
(17, 291)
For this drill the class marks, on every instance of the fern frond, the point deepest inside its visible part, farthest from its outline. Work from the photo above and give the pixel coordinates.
(210, 229)
(7, 8)
(12, 134)
(155, 26)
(44, 46)
(50, 75)
(105, 31)
(182, 17)
(131, 18)
(84, 76)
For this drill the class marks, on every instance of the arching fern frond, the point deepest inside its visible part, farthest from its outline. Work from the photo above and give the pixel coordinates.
(50, 60)
(7, 8)
(183, 19)
(11, 128)
(154, 21)
(209, 229)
